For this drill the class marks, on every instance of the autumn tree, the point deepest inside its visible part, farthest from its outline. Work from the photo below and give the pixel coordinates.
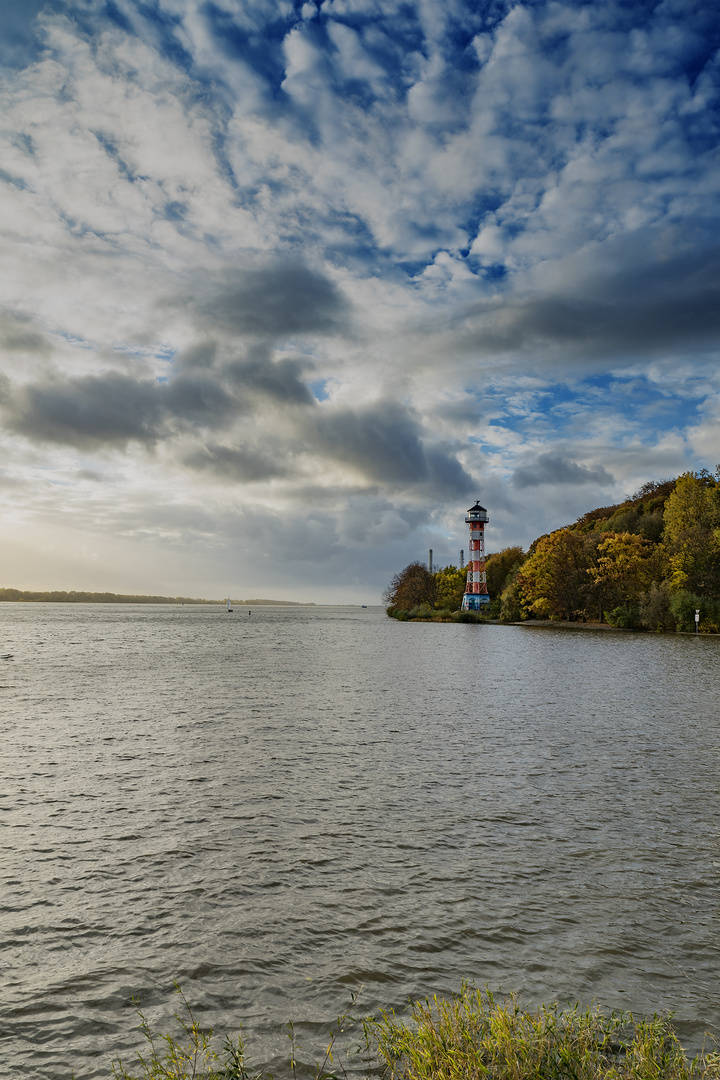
(553, 577)
(692, 534)
(411, 587)
(624, 568)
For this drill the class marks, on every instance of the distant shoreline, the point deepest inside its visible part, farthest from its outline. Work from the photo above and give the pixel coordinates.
(31, 596)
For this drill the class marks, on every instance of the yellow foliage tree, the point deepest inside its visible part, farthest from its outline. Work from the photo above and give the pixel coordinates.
(552, 578)
(625, 566)
(692, 534)
(449, 588)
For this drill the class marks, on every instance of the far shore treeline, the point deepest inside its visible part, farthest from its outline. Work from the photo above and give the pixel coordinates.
(94, 598)
(648, 563)
(28, 596)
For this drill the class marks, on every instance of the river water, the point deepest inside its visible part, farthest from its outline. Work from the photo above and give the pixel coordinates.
(275, 809)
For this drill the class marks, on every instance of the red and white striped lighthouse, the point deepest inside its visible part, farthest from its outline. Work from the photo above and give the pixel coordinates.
(476, 594)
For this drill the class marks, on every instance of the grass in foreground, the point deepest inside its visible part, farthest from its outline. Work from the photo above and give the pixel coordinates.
(467, 1037)
(192, 1055)
(472, 1036)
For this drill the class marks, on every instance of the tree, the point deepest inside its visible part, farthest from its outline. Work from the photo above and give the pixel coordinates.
(552, 578)
(413, 586)
(623, 569)
(499, 566)
(692, 534)
(511, 609)
(654, 607)
(684, 604)
(449, 588)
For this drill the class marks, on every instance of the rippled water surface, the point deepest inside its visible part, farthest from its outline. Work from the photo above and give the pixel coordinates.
(275, 809)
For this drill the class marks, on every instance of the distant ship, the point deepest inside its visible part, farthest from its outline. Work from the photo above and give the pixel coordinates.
(229, 605)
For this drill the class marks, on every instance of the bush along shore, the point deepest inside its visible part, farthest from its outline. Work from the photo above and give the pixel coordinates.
(470, 1036)
(649, 563)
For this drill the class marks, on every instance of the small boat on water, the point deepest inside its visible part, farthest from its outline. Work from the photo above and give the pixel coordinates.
(229, 605)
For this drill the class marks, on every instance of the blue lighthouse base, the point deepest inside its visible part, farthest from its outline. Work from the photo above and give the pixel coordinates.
(473, 601)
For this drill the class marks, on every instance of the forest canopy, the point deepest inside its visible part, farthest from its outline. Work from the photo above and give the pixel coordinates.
(648, 563)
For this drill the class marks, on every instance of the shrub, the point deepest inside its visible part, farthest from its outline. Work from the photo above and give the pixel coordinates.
(421, 611)
(472, 616)
(471, 1036)
(654, 607)
(683, 605)
(623, 617)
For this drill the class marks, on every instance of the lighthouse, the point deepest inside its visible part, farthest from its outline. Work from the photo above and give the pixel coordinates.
(476, 594)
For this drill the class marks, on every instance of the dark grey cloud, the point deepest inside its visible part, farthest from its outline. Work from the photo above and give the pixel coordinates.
(558, 470)
(274, 301)
(256, 373)
(200, 355)
(640, 302)
(446, 472)
(17, 334)
(197, 397)
(238, 463)
(108, 408)
(116, 408)
(113, 408)
(280, 380)
(384, 441)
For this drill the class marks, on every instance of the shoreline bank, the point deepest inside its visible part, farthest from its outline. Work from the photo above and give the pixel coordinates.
(554, 624)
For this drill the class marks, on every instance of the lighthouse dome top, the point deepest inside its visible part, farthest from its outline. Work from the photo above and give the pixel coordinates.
(477, 513)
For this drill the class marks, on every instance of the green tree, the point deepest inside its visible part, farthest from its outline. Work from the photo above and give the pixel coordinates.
(511, 606)
(684, 604)
(449, 588)
(498, 567)
(654, 607)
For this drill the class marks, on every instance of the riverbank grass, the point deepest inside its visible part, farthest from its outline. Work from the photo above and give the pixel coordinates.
(191, 1054)
(469, 1036)
(474, 1037)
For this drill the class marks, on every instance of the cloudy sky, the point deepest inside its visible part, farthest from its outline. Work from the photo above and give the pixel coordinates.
(286, 286)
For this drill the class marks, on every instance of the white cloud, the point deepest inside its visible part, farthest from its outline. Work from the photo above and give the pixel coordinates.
(492, 243)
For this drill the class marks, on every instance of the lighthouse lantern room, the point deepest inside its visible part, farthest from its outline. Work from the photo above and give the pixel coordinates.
(476, 594)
